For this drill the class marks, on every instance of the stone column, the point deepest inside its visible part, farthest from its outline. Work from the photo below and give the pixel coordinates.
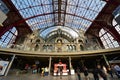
(10, 64)
(70, 64)
(50, 64)
(105, 58)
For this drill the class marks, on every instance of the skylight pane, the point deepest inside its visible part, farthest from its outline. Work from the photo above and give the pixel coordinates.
(85, 3)
(31, 8)
(80, 11)
(46, 12)
(70, 9)
(72, 2)
(87, 10)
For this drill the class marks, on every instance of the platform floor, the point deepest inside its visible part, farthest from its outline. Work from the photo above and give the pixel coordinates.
(29, 76)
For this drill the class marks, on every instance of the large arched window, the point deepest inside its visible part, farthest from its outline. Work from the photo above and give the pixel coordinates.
(8, 38)
(107, 40)
(116, 25)
(116, 19)
(3, 7)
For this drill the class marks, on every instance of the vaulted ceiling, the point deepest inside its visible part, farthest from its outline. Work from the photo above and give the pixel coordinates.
(86, 15)
(39, 14)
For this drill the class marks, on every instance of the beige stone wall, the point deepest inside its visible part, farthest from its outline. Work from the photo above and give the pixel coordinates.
(34, 42)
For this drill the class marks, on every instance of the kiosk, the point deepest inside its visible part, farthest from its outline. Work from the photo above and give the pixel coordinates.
(56, 69)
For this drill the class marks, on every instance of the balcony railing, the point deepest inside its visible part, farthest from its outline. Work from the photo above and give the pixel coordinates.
(48, 49)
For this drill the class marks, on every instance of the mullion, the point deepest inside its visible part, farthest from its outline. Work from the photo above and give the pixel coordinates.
(17, 4)
(85, 23)
(44, 12)
(46, 20)
(31, 8)
(26, 10)
(82, 7)
(81, 14)
(86, 10)
(13, 33)
(47, 16)
(33, 13)
(94, 8)
(6, 36)
(75, 12)
(38, 22)
(110, 39)
(106, 42)
(53, 3)
(99, 6)
(35, 10)
(11, 39)
(66, 1)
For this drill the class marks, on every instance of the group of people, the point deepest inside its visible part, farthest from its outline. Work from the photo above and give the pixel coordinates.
(85, 71)
(100, 72)
(37, 69)
(45, 71)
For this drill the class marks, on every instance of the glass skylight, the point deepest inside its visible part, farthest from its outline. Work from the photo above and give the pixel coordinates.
(72, 32)
(77, 14)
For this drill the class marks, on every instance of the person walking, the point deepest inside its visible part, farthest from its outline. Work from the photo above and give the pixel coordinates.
(117, 70)
(110, 71)
(78, 73)
(85, 72)
(95, 74)
(102, 73)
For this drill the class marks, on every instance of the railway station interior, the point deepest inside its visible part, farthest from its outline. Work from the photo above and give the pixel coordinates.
(37, 37)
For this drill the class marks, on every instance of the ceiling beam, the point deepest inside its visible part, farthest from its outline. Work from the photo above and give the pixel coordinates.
(59, 11)
(65, 11)
(53, 6)
(23, 20)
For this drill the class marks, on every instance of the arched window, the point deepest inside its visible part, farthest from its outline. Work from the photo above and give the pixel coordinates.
(3, 7)
(81, 48)
(107, 40)
(44, 47)
(8, 38)
(116, 19)
(116, 25)
(74, 47)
